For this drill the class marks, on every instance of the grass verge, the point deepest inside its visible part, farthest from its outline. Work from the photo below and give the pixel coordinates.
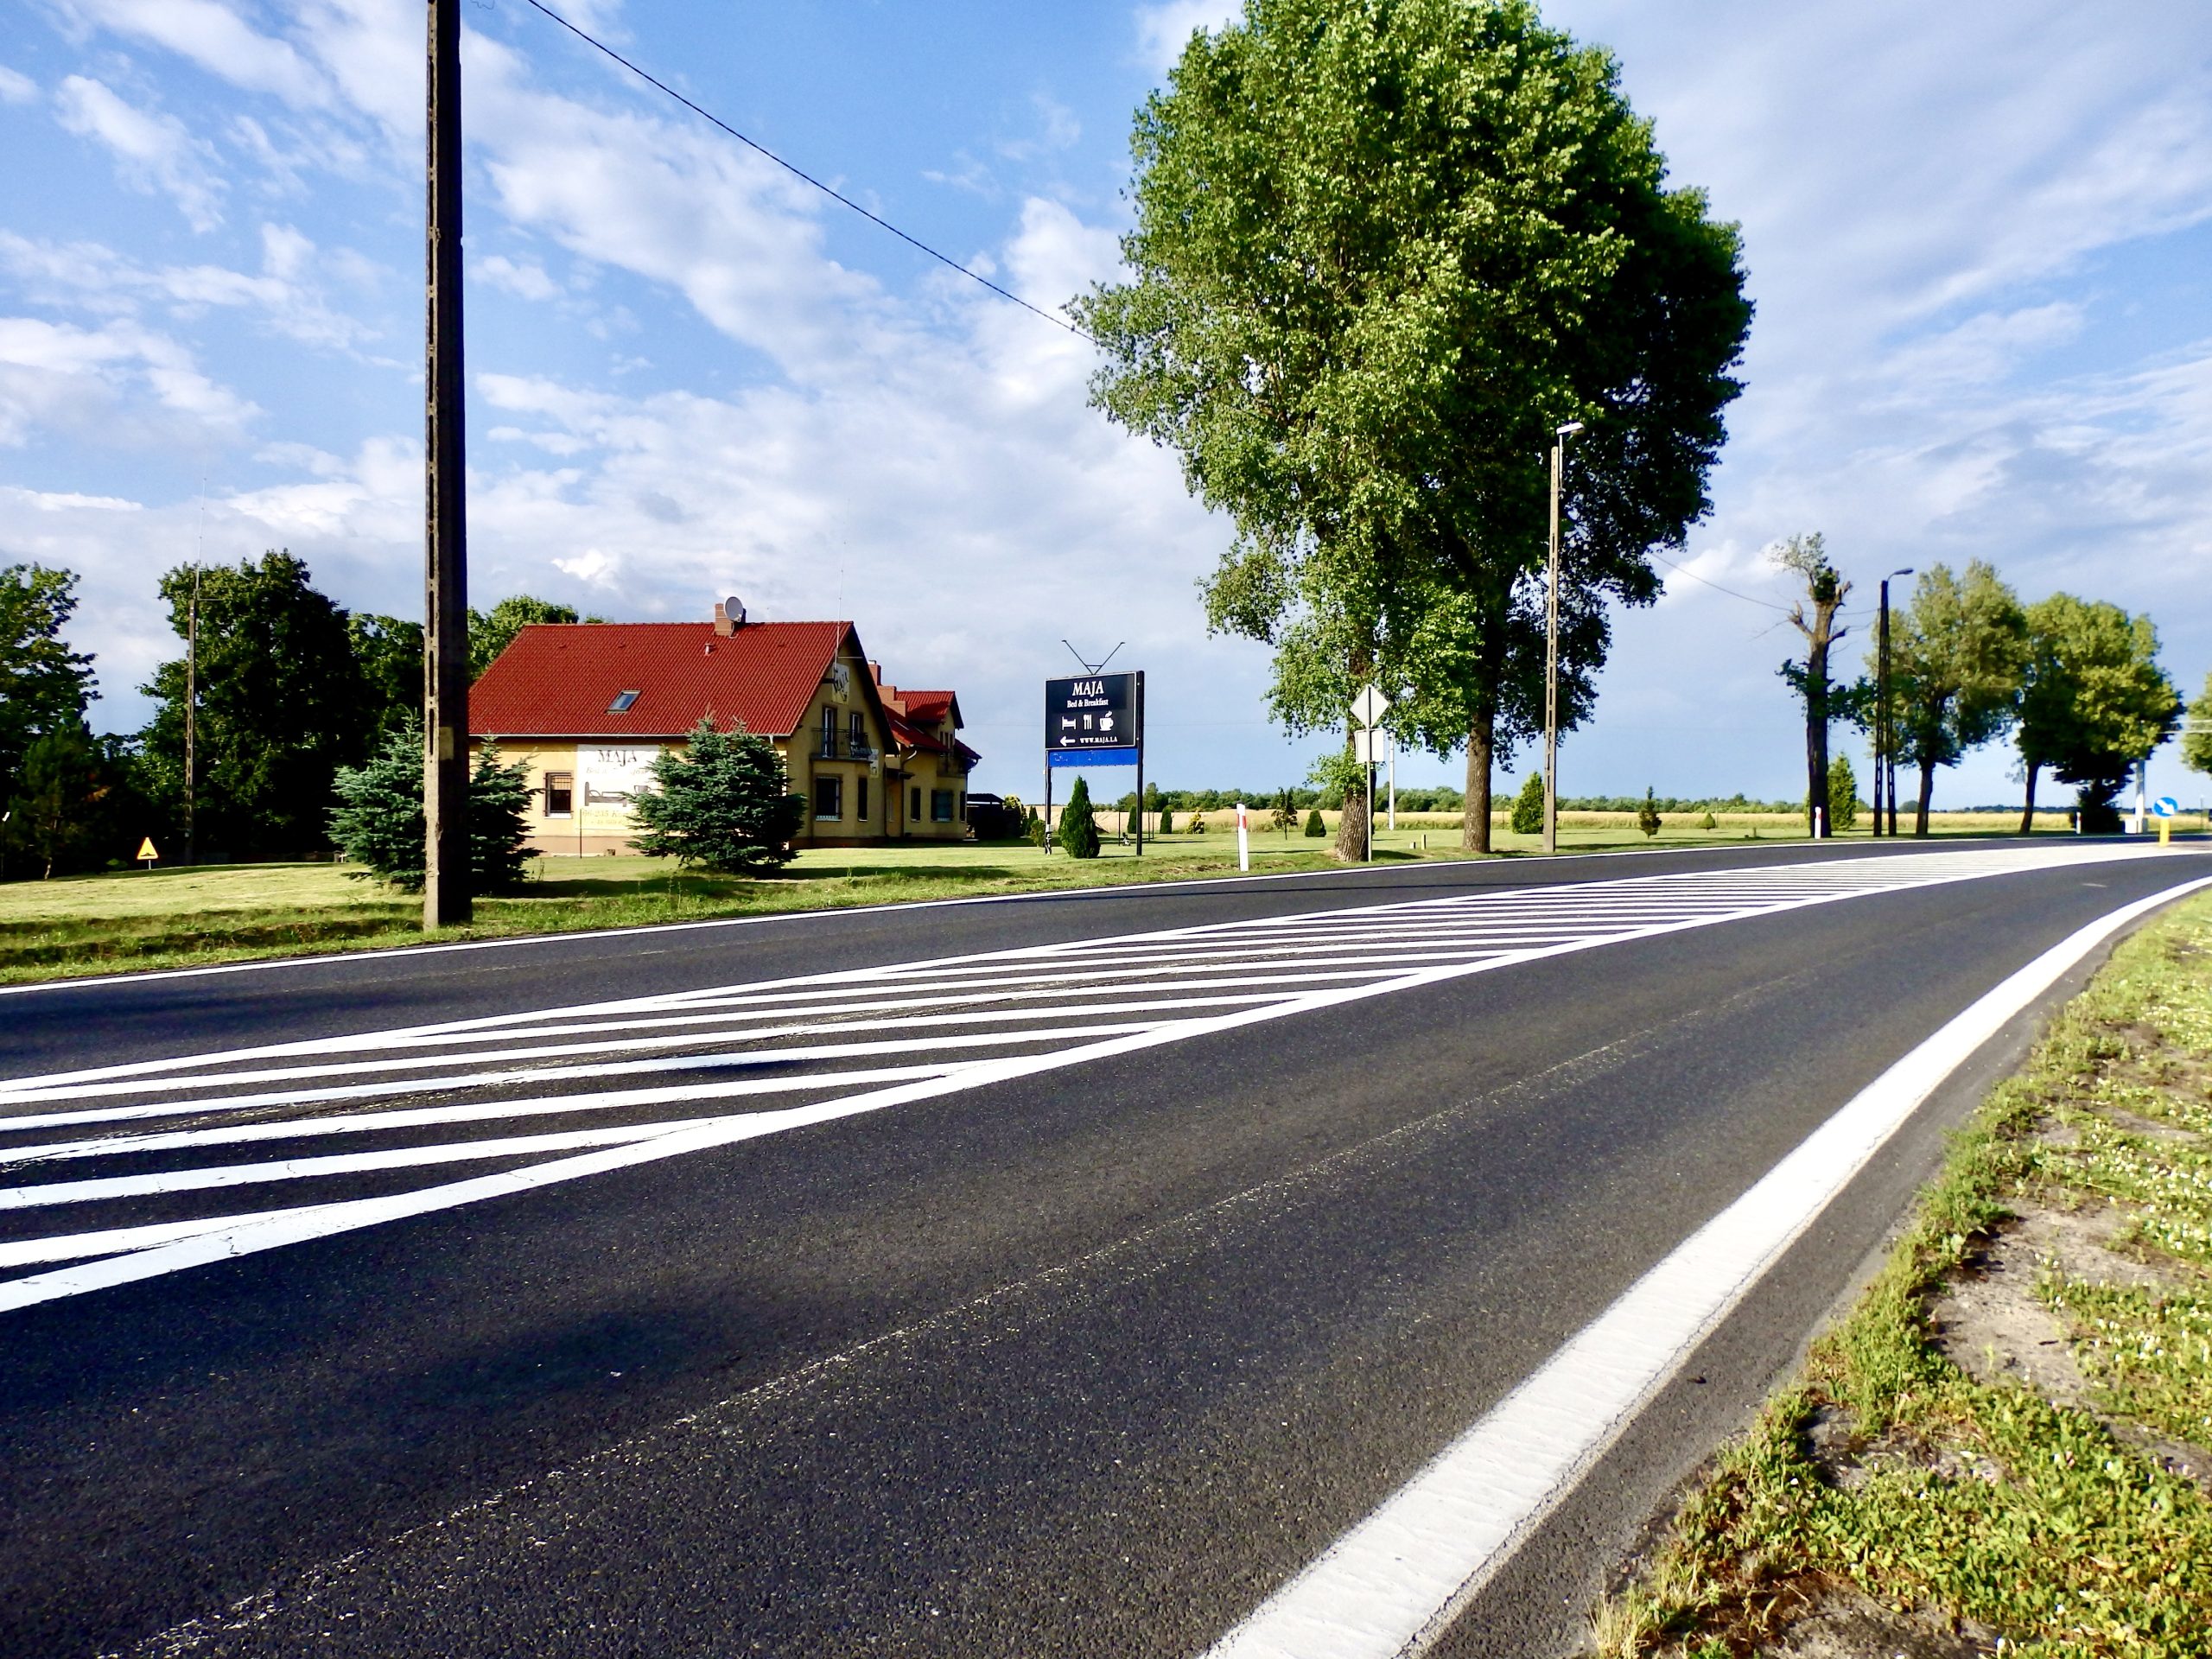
(2003, 1447)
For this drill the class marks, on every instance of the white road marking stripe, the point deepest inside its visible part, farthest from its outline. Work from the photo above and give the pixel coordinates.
(1393, 1585)
(323, 1220)
(1774, 884)
(300, 1169)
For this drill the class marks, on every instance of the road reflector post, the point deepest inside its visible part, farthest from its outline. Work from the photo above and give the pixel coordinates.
(1243, 838)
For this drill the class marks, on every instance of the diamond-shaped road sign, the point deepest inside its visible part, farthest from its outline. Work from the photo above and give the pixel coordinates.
(1369, 706)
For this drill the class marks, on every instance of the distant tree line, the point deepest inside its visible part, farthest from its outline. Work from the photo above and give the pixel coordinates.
(2075, 681)
(286, 689)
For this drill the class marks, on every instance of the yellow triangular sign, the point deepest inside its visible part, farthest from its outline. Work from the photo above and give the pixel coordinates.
(146, 849)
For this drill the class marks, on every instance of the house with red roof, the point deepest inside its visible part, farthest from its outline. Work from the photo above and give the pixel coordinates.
(588, 707)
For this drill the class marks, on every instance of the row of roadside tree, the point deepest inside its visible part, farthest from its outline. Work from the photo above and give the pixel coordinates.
(2077, 683)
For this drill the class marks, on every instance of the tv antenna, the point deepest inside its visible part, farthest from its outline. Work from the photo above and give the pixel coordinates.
(1090, 667)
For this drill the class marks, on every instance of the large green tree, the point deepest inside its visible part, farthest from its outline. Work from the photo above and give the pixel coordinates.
(1958, 651)
(388, 654)
(2093, 700)
(44, 685)
(280, 702)
(2196, 735)
(492, 632)
(1382, 247)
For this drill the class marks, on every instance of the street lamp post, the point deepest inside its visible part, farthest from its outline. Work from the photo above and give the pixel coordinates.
(1885, 760)
(1559, 435)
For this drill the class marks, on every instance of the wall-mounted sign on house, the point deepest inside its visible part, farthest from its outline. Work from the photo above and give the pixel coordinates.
(589, 706)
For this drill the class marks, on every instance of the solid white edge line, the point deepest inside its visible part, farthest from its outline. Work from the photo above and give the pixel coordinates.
(1393, 1584)
(1114, 890)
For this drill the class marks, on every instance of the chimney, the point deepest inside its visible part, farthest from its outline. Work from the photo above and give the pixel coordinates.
(725, 623)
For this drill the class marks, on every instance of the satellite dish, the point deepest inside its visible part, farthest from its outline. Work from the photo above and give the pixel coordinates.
(733, 608)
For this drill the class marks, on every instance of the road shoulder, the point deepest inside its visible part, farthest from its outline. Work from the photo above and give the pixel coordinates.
(2006, 1438)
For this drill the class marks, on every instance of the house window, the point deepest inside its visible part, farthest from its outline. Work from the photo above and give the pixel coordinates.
(858, 730)
(560, 794)
(828, 799)
(940, 806)
(914, 811)
(622, 701)
(828, 733)
(860, 800)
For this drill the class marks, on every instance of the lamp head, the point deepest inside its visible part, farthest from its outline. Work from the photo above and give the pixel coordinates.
(1905, 572)
(1568, 430)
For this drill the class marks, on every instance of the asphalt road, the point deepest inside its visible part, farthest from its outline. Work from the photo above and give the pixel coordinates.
(1083, 1348)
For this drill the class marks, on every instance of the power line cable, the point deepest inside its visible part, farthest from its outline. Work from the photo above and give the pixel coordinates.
(1690, 574)
(799, 173)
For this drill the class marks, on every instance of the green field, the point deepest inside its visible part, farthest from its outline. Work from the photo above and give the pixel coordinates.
(171, 917)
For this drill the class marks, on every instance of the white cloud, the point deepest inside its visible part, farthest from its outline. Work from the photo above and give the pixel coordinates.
(1165, 28)
(152, 153)
(526, 279)
(96, 384)
(213, 36)
(16, 87)
(89, 277)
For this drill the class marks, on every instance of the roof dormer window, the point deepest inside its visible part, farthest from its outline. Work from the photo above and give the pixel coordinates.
(622, 701)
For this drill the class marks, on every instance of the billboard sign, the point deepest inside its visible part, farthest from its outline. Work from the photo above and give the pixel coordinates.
(1094, 712)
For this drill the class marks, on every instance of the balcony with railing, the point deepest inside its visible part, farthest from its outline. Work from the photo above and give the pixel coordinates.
(841, 746)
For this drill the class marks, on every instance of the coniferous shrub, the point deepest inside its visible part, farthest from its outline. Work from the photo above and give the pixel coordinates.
(1315, 829)
(1166, 820)
(1033, 827)
(1078, 825)
(1529, 806)
(723, 805)
(1647, 815)
(378, 818)
(1843, 794)
(1709, 822)
(498, 824)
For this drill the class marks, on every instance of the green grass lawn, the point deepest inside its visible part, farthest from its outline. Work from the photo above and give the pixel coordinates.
(171, 917)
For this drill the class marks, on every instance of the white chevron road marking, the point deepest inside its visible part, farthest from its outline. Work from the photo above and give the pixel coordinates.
(962, 1023)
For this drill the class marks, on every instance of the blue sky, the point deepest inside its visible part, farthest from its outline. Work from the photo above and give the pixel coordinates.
(1979, 237)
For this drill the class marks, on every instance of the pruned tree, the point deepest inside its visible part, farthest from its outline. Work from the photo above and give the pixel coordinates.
(1813, 616)
(2093, 701)
(1958, 651)
(1379, 252)
(722, 803)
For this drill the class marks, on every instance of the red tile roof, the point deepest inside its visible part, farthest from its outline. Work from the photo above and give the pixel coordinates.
(557, 679)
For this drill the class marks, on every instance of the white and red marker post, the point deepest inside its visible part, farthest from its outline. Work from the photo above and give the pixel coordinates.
(1243, 838)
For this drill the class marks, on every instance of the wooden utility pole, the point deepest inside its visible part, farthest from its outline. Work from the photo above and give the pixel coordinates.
(445, 546)
(192, 721)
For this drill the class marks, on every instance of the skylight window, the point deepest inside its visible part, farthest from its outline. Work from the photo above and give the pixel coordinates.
(622, 701)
